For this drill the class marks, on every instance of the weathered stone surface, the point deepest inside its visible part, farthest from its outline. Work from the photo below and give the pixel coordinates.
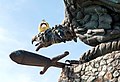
(103, 69)
(103, 62)
(116, 74)
(110, 69)
(83, 67)
(108, 75)
(102, 73)
(110, 60)
(97, 65)
(99, 79)
(91, 78)
(118, 78)
(116, 62)
(118, 67)
(78, 68)
(84, 77)
(94, 70)
(100, 69)
(114, 80)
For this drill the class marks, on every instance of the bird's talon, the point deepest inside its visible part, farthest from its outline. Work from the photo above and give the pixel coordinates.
(40, 46)
(37, 44)
(34, 39)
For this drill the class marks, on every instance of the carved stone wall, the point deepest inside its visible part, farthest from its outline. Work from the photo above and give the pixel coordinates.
(102, 69)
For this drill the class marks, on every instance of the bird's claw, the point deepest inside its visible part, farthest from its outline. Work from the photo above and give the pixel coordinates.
(39, 46)
(34, 39)
(41, 42)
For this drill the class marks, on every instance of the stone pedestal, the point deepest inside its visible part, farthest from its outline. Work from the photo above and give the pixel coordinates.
(102, 69)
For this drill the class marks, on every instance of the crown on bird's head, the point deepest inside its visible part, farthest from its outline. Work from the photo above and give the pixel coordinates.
(43, 26)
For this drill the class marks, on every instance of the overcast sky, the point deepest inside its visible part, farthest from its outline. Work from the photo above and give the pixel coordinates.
(19, 21)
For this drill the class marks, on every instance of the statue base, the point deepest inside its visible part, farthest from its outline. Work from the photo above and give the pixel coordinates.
(102, 69)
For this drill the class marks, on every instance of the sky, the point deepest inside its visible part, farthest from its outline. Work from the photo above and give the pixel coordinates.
(19, 21)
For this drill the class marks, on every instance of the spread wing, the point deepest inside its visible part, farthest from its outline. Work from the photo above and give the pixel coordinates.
(111, 4)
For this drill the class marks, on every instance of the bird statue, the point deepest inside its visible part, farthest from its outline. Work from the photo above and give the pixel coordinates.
(94, 22)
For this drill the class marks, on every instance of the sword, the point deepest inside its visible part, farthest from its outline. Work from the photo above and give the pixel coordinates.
(32, 59)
